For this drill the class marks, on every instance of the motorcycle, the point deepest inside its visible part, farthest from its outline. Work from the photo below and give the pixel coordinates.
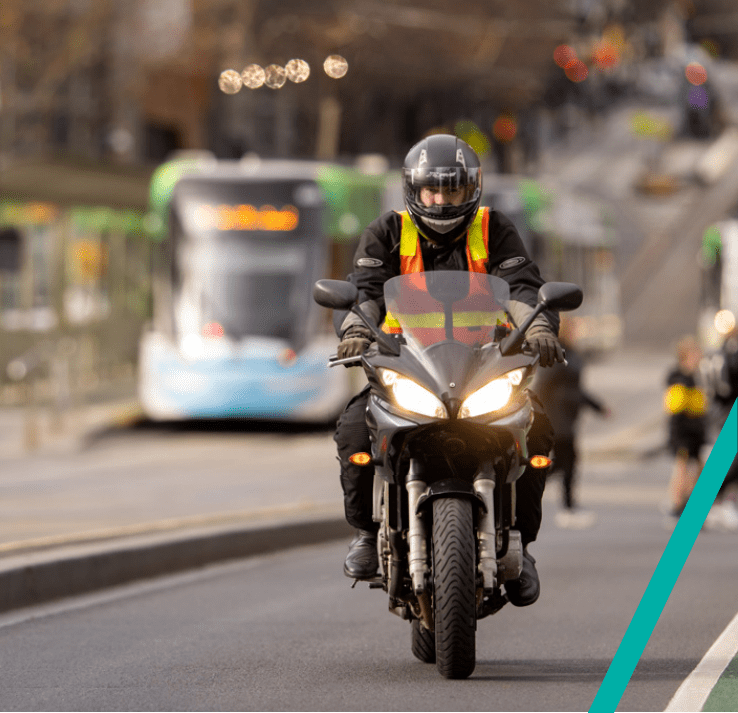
(448, 415)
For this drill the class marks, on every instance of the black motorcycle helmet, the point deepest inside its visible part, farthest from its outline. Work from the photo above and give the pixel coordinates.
(442, 161)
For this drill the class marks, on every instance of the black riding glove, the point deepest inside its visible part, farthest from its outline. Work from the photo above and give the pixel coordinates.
(354, 342)
(545, 343)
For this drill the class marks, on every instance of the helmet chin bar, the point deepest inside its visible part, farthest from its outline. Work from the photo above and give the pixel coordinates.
(442, 226)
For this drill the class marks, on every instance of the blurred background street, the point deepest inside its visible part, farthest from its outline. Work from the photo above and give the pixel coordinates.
(151, 384)
(607, 132)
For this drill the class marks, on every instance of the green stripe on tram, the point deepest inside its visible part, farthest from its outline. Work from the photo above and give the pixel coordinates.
(724, 696)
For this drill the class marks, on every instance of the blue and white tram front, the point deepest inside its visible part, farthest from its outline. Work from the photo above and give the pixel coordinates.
(235, 332)
(253, 378)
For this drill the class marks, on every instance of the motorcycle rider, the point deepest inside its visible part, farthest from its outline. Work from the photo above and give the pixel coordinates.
(444, 228)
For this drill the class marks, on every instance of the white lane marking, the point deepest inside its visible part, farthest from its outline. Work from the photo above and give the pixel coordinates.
(695, 689)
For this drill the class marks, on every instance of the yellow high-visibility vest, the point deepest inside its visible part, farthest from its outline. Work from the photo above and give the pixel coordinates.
(411, 256)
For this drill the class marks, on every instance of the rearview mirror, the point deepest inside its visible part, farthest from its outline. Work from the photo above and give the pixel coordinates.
(561, 296)
(335, 294)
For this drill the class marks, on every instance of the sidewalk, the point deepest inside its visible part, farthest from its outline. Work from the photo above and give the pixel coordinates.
(41, 429)
(87, 557)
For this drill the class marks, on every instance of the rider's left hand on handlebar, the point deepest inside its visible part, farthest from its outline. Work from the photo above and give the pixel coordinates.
(545, 343)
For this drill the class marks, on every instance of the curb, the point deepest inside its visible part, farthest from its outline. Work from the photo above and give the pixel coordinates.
(41, 575)
(54, 574)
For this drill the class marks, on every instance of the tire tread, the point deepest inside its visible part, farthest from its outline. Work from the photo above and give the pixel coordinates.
(454, 560)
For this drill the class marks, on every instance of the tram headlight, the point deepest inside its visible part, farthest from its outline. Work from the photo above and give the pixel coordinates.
(192, 346)
(493, 396)
(410, 396)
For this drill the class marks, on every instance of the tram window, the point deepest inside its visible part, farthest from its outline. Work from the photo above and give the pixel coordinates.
(256, 304)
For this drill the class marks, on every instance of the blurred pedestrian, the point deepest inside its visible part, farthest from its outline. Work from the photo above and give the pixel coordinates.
(563, 396)
(686, 403)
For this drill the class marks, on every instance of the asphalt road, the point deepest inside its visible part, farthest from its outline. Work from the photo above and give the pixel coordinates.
(286, 632)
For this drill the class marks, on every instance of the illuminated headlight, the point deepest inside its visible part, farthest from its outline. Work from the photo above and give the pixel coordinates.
(492, 396)
(411, 396)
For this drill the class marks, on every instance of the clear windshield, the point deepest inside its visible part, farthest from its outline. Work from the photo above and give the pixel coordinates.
(431, 307)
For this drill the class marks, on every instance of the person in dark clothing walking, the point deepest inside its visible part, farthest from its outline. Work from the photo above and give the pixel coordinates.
(563, 395)
(443, 228)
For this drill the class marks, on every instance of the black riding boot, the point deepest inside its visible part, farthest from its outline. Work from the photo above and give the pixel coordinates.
(527, 587)
(362, 561)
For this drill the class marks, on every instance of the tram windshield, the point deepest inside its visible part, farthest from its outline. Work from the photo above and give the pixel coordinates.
(244, 258)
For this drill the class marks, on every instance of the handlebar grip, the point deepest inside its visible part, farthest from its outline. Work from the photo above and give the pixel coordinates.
(333, 360)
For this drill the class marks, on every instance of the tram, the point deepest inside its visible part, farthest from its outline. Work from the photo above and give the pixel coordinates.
(235, 332)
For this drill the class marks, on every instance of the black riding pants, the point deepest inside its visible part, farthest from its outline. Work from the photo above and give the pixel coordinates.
(352, 436)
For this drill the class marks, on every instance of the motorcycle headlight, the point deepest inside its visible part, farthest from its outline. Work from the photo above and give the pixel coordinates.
(411, 396)
(492, 396)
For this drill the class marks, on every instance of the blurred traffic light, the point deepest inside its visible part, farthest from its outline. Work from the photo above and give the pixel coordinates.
(695, 73)
(505, 128)
(576, 70)
(564, 54)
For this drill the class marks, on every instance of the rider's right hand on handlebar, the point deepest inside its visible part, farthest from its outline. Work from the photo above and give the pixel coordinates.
(354, 342)
(545, 343)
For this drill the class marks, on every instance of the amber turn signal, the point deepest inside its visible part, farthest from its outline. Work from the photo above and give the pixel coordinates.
(540, 462)
(360, 459)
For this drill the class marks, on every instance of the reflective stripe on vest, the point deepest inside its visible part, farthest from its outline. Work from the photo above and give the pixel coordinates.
(411, 256)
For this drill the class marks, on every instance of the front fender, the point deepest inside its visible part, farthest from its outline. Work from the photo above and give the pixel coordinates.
(449, 487)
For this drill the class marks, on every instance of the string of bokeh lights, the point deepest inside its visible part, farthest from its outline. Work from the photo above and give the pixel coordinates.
(275, 76)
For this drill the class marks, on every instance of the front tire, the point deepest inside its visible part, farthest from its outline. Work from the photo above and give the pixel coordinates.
(424, 643)
(454, 587)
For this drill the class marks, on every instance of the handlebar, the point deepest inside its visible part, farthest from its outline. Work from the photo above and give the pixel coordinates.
(333, 360)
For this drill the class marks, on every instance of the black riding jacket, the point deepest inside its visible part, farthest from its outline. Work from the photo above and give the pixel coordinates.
(377, 259)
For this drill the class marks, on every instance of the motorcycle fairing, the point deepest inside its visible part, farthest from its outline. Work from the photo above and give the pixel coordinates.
(390, 430)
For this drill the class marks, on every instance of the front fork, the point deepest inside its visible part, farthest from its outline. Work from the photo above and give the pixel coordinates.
(492, 575)
(417, 535)
(486, 534)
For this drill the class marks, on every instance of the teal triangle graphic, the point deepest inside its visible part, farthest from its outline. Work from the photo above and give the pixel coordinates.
(668, 569)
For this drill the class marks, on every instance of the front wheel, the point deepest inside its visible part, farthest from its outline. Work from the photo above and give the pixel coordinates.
(454, 587)
(423, 643)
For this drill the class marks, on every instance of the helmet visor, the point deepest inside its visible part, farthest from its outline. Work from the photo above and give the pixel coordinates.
(437, 189)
